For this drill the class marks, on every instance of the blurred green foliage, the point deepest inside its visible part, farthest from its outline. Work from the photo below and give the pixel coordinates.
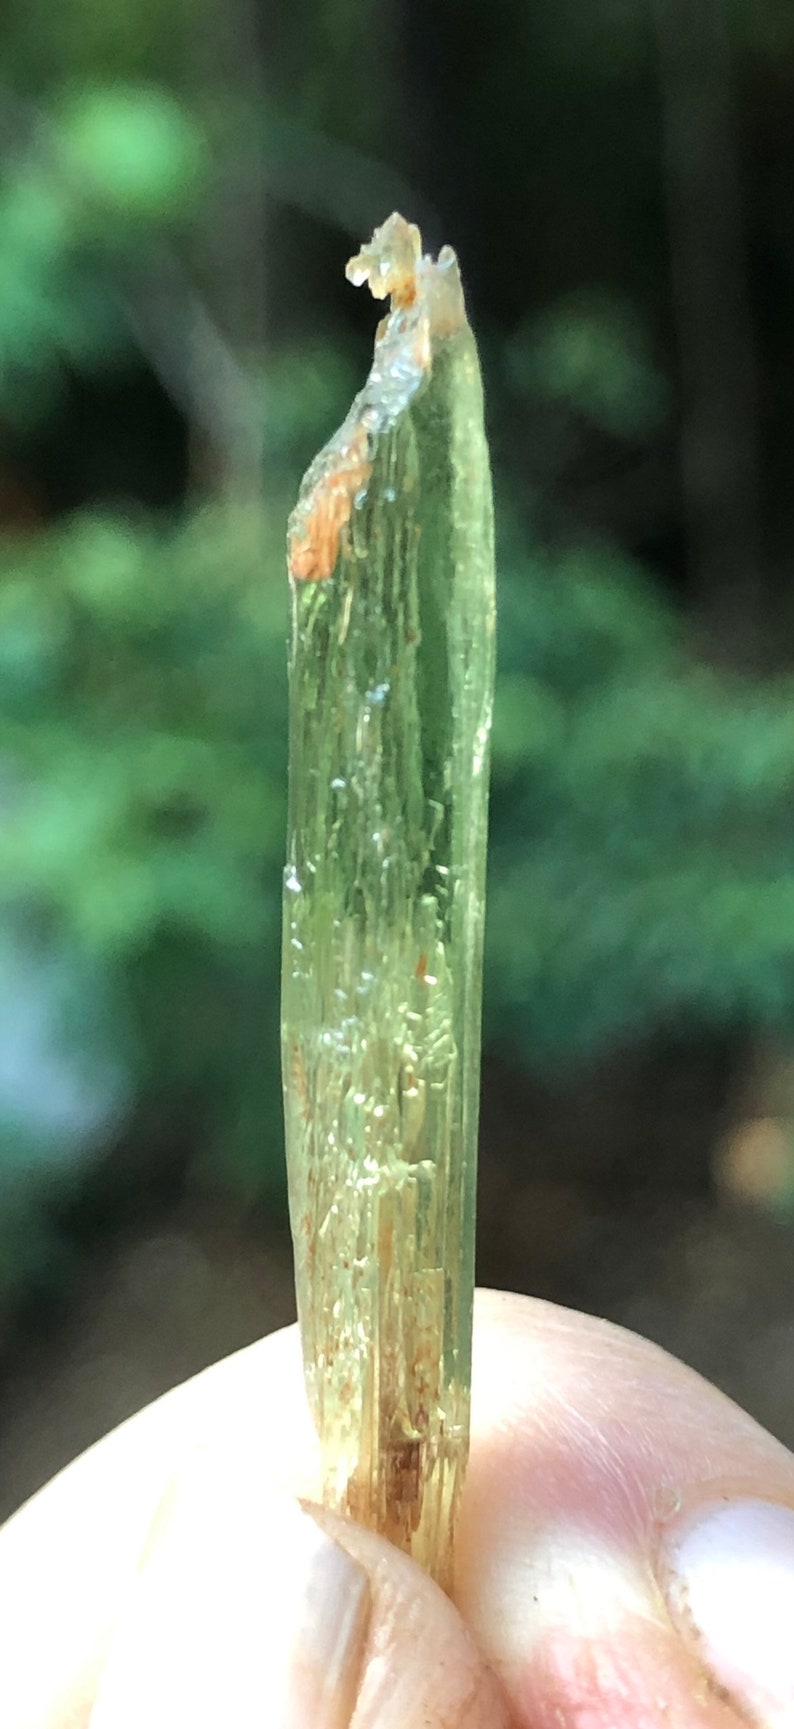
(93, 186)
(592, 358)
(142, 710)
(134, 154)
(643, 843)
(643, 848)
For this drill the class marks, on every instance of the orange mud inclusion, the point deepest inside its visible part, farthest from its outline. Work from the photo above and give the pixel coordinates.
(316, 538)
(389, 265)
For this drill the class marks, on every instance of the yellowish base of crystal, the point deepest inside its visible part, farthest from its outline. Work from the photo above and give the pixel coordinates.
(393, 1421)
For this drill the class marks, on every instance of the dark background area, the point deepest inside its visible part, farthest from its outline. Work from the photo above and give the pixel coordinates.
(180, 186)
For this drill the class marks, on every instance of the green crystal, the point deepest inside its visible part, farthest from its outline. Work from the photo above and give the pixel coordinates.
(391, 682)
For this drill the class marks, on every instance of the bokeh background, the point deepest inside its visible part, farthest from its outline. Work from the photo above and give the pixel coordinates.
(181, 184)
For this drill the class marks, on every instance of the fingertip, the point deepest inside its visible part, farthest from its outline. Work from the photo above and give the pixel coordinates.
(422, 1666)
(253, 1609)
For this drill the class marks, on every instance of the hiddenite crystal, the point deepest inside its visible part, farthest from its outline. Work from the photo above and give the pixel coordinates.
(391, 681)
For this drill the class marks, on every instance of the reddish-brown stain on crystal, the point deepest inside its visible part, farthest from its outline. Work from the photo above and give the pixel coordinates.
(315, 542)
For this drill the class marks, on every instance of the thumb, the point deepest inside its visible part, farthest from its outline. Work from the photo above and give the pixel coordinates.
(626, 1550)
(249, 1609)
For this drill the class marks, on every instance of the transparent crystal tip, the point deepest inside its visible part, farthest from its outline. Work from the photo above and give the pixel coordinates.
(393, 265)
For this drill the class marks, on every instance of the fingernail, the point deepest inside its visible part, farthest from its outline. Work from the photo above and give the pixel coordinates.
(731, 1589)
(246, 1613)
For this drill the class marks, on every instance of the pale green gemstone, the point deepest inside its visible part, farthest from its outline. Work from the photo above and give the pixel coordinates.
(391, 682)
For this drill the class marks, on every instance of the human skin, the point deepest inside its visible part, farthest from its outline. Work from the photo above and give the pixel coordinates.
(171, 1577)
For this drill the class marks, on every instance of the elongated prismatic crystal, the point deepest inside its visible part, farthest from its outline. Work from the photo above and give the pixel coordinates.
(391, 680)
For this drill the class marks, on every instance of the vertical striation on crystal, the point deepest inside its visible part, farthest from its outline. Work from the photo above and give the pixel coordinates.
(391, 680)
